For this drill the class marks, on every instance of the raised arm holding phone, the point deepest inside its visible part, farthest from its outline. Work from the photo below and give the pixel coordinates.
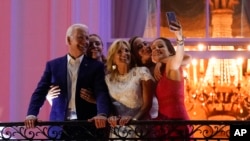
(170, 88)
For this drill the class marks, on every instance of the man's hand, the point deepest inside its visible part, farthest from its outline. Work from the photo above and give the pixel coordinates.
(100, 121)
(30, 122)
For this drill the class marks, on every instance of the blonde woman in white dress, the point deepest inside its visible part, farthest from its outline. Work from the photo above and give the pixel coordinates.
(130, 87)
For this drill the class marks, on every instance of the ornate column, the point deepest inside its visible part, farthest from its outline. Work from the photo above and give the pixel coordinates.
(221, 26)
(222, 17)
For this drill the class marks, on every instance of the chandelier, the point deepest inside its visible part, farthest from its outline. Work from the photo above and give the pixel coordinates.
(218, 89)
(219, 92)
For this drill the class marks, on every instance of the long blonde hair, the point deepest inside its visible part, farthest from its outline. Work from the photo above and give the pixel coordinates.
(114, 47)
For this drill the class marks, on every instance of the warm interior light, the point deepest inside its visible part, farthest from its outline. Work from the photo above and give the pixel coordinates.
(248, 47)
(201, 47)
(221, 91)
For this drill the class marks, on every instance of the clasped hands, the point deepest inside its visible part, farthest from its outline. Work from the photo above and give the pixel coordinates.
(100, 121)
(118, 120)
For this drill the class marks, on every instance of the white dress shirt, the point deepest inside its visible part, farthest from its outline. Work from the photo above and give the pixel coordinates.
(73, 67)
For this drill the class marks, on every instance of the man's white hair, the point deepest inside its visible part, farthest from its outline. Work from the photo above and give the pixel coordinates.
(70, 30)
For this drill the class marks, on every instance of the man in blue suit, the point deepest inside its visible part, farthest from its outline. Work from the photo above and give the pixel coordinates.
(71, 73)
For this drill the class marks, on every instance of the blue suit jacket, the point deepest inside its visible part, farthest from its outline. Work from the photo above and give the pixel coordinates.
(91, 75)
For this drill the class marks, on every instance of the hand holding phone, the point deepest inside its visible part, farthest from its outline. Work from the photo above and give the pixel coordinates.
(172, 21)
(171, 17)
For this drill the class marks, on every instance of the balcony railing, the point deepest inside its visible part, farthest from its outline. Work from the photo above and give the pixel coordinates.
(199, 130)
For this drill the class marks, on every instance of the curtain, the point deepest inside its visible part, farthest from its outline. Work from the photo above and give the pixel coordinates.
(246, 4)
(128, 18)
(31, 33)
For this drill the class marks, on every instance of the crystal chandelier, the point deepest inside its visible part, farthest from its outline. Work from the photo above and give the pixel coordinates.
(220, 92)
(219, 88)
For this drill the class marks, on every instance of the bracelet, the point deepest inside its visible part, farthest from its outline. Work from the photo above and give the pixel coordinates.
(181, 42)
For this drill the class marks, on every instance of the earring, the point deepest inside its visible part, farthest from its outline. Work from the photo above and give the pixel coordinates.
(113, 67)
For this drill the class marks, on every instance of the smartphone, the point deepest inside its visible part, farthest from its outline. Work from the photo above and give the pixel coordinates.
(171, 17)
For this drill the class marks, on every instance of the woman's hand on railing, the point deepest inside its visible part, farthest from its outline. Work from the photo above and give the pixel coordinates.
(124, 120)
(113, 121)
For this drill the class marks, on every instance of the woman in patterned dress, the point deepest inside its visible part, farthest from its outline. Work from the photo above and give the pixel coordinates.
(130, 87)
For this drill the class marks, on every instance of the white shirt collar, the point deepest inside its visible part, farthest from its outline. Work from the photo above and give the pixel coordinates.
(69, 57)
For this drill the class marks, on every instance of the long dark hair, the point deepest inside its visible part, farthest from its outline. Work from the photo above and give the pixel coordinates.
(134, 52)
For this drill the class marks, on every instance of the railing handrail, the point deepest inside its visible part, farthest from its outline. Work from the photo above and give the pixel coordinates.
(217, 122)
(199, 129)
